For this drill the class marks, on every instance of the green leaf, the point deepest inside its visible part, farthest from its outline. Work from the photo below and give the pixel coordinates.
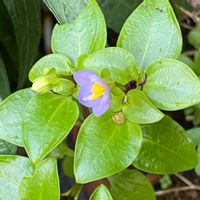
(66, 11)
(11, 110)
(59, 62)
(71, 39)
(117, 11)
(197, 168)
(7, 148)
(194, 36)
(165, 182)
(166, 149)
(188, 61)
(141, 37)
(119, 62)
(101, 192)
(131, 184)
(13, 169)
(4, 83)
(47, 120)
(68, 166)
(197, 62)
(194, 135)
(44, 184)
(105, 147)
(172, 85)
(138, 109)
(26, 20)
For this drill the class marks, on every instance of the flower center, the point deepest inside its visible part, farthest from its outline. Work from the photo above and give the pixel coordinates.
(98, 90)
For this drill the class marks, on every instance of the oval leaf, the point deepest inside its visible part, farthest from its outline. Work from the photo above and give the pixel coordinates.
(84, 36)
(11, 110)
(47, 120)
(166, 149)
(13, 169)
(7, 148)
(44, 184)
(138, 109)
(140, 33)
(59, 62)
(101, 192)
(131, 184)
(104, 147)
(66, 11)
(119, 62)
(172, 85)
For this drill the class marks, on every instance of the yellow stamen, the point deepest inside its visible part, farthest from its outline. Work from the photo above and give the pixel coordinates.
(98, 90)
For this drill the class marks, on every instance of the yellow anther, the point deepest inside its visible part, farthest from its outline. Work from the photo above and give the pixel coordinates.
(98, 90)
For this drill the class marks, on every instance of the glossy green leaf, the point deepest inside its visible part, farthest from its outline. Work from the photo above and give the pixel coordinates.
(194, 36)
(4, 83)
(7, 148)
(66, 11)
(119, 62)
(138, 109)
(44, 184)
(141, 37)
(105, 147)
(172, 85)
(84, 36)
(131, 184)
(166, 149)
(13, 169)
(101, 192)
(47, 120)
(11, 110)
(26, 20)
(59, 62)
(117, 11)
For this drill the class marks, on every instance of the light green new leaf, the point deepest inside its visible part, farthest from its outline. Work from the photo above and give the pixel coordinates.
(4, 82)
(26, 20)
(194, 36)
(59, 62)
(44, 184)
(47, 120)
(119, 62)
(13, 169)
(172, 85)
(104, 147)
(131, 184)
(84, 36)
(101, 192)
(151, 33)
(138, 109)
(166, 149)
(11, 110)
(7, 148)
(66, 11)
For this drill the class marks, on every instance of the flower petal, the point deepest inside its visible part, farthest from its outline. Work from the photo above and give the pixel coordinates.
(82, 77)
(84, 92)
(103, 105)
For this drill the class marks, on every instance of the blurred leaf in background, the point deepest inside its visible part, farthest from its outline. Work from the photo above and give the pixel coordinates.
(20, 33)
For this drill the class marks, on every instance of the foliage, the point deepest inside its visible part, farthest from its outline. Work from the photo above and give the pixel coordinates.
(141, 76)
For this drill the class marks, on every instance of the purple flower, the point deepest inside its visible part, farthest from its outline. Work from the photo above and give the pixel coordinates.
(94, 92)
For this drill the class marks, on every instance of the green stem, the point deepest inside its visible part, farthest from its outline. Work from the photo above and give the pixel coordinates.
(74, 191)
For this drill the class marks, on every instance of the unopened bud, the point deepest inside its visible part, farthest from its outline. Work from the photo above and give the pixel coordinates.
(45, 83)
